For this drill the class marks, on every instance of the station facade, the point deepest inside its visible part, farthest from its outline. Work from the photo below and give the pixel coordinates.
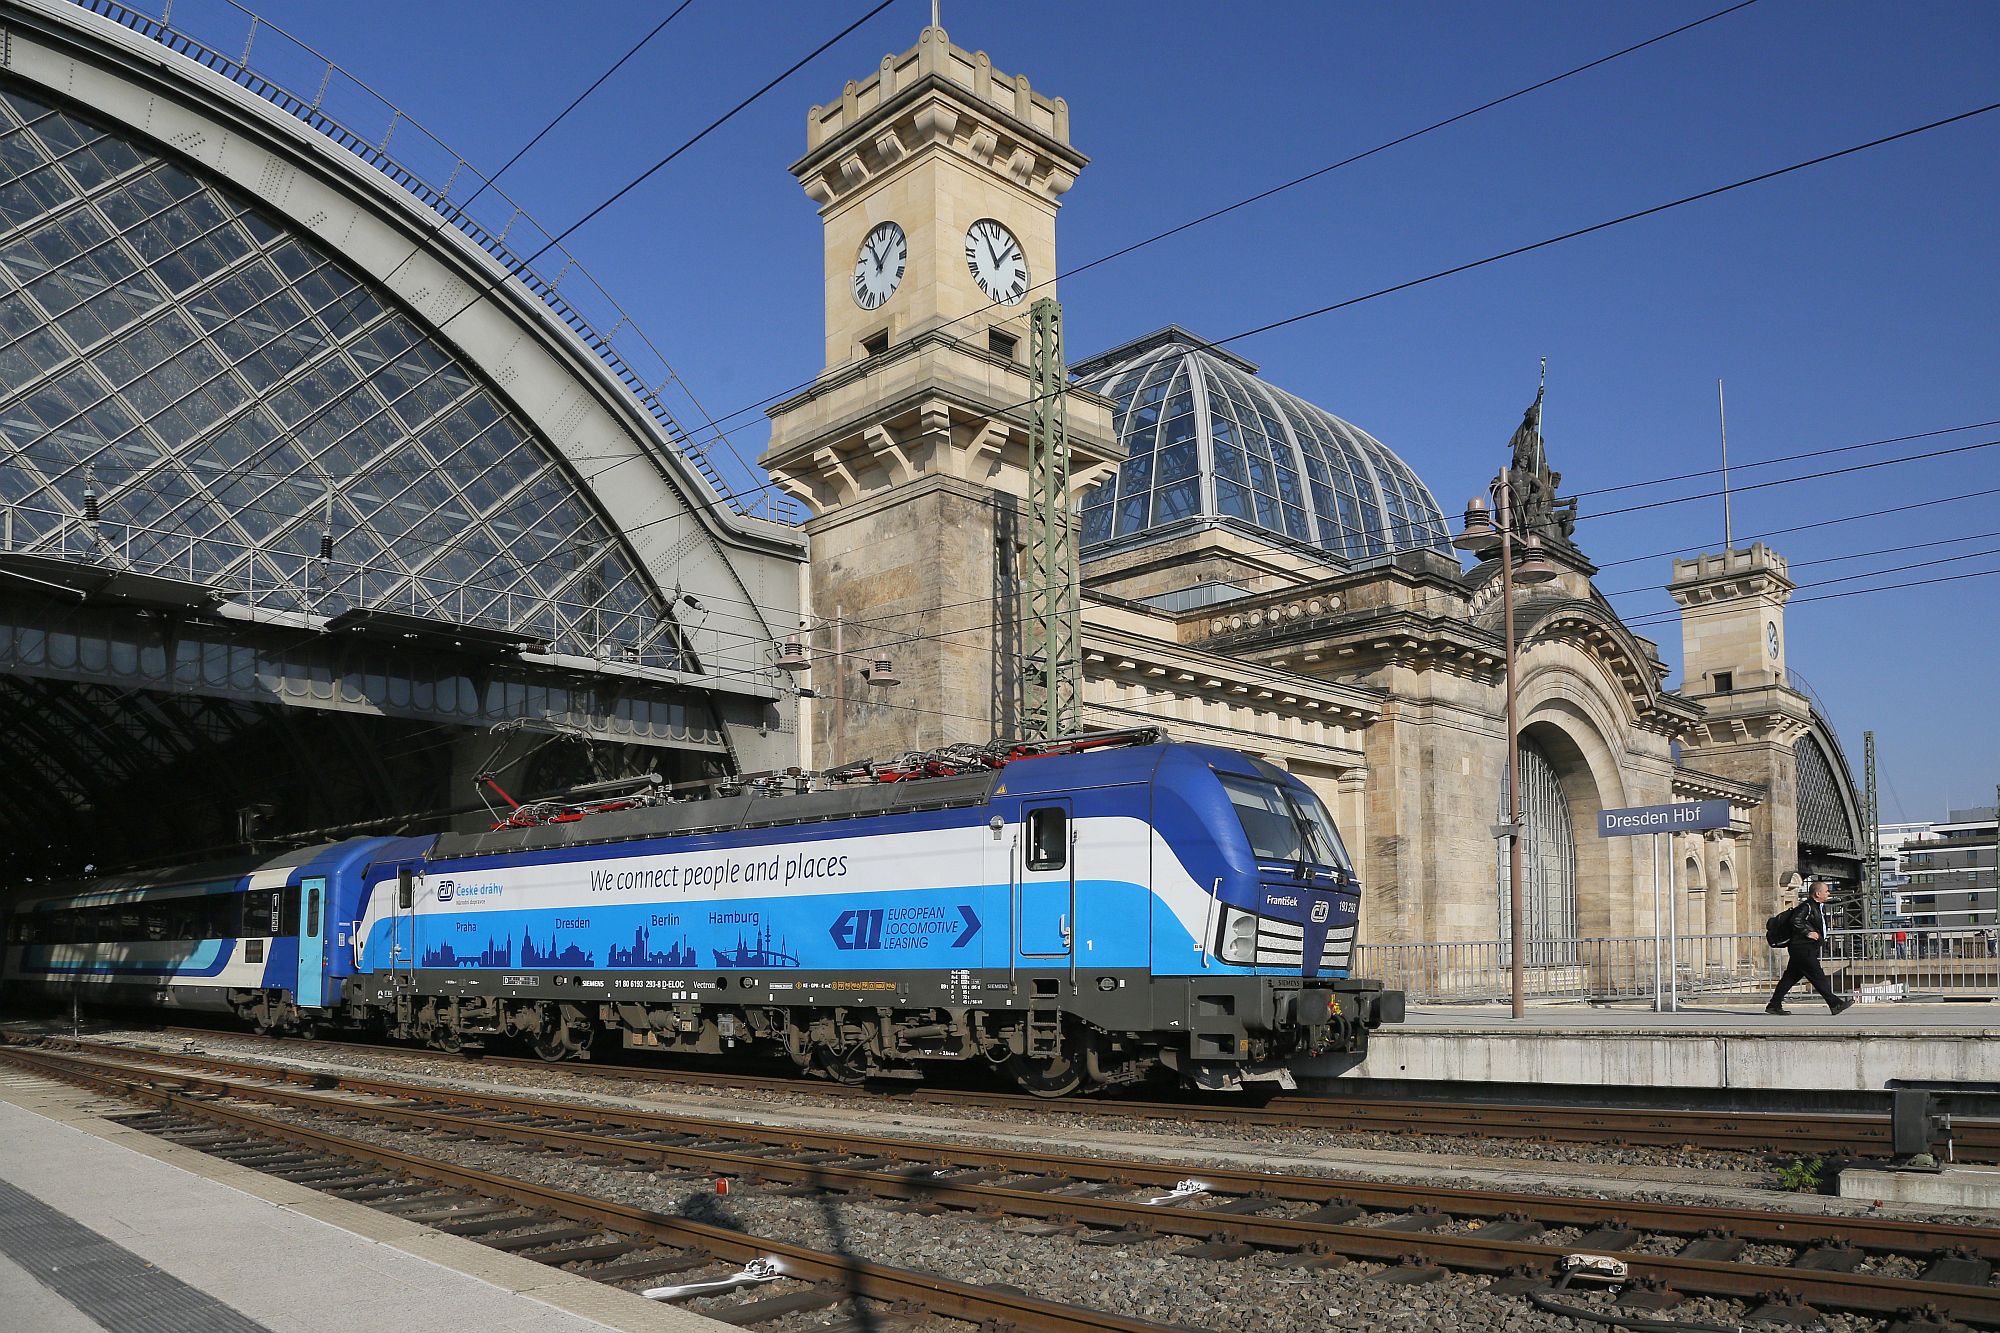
(1256, 571)
(320, 500)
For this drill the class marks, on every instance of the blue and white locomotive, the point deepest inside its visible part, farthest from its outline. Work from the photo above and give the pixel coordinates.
(1082, 915)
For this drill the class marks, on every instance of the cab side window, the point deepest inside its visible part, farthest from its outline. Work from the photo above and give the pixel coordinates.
(1048, 838)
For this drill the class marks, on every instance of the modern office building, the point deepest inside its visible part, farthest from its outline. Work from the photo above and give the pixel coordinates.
(1949, 872)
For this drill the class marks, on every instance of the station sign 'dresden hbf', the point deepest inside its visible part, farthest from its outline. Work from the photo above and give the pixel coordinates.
(1676, 817)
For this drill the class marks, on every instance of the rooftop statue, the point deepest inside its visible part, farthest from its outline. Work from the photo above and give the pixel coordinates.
(1537, 508)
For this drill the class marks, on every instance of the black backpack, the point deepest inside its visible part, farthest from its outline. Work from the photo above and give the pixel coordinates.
(1778, 930)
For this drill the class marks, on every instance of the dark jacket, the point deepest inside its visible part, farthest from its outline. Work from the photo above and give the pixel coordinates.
(1807, 917)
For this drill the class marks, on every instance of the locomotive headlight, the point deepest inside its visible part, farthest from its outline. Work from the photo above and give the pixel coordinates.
(1239, 936)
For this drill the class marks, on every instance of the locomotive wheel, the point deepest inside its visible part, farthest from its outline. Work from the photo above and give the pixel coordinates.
(1045, 1075)
(549, 1045)
(565, 1034)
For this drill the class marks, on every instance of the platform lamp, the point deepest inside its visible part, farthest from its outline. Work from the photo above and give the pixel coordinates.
(1482, 532)
(794, 659)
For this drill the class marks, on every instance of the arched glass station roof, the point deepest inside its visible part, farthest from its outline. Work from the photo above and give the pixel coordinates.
(227, 391)
(1208, 442)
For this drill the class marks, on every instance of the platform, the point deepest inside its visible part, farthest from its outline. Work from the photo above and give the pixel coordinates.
(1950, 1187)
(103, 1227)
(1705, 1046)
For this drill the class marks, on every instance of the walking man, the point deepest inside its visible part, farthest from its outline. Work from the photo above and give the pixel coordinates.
(1808, 939)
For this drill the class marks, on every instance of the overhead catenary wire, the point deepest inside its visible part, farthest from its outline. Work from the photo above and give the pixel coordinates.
(1816, 524)
(1142, 243)
(1685, 499)
(1464, 267)
(1741, 466)
(1834, 559)
(1296, 181)
(894, 643)
(1661, 617)
(1765, 176)
(1575, 233)
(1787, 481)
(653, 170)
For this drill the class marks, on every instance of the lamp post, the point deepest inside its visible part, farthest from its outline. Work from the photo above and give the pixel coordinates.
(1483, 526)
(792, 658)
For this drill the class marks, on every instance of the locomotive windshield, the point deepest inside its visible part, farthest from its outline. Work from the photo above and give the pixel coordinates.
(1285, 825)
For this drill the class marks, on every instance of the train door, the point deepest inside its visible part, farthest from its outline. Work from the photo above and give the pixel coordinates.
(403, 927)
(311, 990)
(1045, 880)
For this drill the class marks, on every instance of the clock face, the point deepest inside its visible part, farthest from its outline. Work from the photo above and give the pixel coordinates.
(996, 261)
(878, 269)
(1771, 637)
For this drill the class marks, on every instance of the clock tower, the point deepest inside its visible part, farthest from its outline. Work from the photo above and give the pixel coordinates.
(938, 179)
(1733, 664)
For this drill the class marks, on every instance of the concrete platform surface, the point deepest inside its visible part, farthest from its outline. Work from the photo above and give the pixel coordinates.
(1953, 1187)
(103, 1227)
(1704, 1045)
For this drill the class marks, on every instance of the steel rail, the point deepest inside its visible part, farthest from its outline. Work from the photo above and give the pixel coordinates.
(1735, 1131)
(1867, 1292)
(1872, 1233)
(873, 1281)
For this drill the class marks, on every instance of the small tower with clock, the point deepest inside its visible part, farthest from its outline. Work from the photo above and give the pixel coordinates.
(1732, 620)
(938, 180)
(1733, 664)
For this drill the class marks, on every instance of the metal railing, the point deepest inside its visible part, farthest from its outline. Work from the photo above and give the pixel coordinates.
(1905, 963)
(338, 109)
(312, 586)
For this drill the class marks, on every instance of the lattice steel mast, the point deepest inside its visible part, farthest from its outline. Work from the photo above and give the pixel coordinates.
(1052, 682)
(1871, 834)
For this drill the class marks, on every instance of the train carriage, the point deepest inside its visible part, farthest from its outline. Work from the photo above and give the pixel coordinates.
(261, 937)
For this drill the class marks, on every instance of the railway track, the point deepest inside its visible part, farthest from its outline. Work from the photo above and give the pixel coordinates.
(1763, 1132)
(611, 1242)
(1790, 1262)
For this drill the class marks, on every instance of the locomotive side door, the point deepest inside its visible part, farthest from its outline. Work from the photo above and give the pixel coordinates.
(311, 988)
(403, 927)
(1045, 880)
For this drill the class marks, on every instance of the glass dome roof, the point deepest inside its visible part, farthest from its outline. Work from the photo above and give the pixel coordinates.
(1208, 442)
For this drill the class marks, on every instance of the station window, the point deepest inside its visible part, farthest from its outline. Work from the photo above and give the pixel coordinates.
(875, 344)
(1001, 344)
(1725, 681)
(1048, 838)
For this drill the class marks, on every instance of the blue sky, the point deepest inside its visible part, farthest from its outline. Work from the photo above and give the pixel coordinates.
(1850, 303)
